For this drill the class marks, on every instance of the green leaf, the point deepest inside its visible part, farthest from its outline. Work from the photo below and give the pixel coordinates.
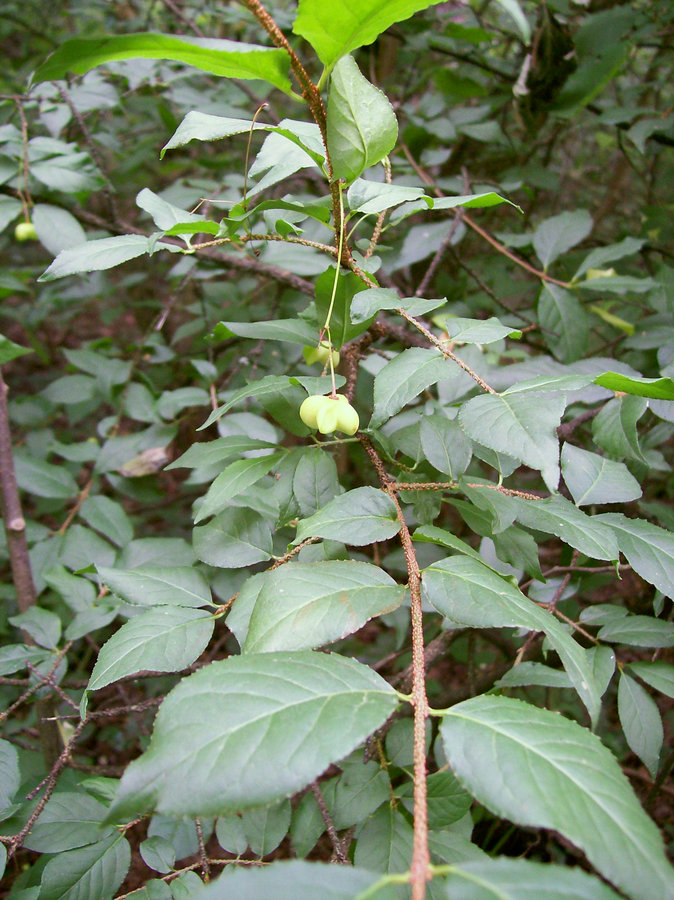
(10, 208)
(234, 539)
(166, 586)
(541, 770)
(521, 879)
(315, 481)
(158, 854)
(602, 255)
(341, 327)
(334, 28)
(93, 256)
(445, 445)
(658, 388)
(521, 425)
(236, 478)
(163, 639)
(358, 517)
(385, 842)
(198, 126)
(595, 479)
(278, 159)
(448, 802)
(108, 517)
(93, 871)
(614, 428)
(558, 234)
(550, 383)
(471, 201)
(209, 453)
(42, 625)
(292, 331)
(359, 791)
(229, 832)
(638, 631)
(361, 126)
(470, 593)
(556, 515)
(270, 384)
(641, 722)
(9, 350)
(366, 304)
(56, 228)
(70, 820)
(266, 827)
(648, 548)
(482, 494)
(660, 675)
(564, 323)
(403, 378)
(370, 197)
(434, 535)
(514, 10)
(617, 284)
(15, 657)
(305, 605)
(164, 214)
(230, 59)
(529, 673)
(251, 730)
(10, 777)
(477, 331)
(297, 879)
(43, 479)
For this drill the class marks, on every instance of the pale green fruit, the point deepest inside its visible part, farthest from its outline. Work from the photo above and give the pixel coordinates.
(309, 410)
(328, 414)
(25, 231)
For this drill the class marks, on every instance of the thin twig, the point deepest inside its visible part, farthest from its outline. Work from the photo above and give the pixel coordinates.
(203, 856)
(479, 230)
(49, 783)
(329, 824)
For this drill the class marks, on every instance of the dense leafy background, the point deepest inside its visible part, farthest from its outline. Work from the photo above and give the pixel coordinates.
(508, 182)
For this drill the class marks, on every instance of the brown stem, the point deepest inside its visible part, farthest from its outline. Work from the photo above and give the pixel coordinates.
(203, 856)
(439, 254)
(329, 824)
(22, 576)
(446, 352)
(15, 525)
(227, 260)
(49, 783)
(419, 869)
(479, 230)
(512, 256)
(315, 103)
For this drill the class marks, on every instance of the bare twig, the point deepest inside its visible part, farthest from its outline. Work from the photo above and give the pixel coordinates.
(329, 824)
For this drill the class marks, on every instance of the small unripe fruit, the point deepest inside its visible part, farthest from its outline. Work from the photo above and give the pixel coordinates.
(25, 231)
(328, 414)
(320, 354)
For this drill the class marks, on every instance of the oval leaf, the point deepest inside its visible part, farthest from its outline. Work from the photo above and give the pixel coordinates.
(541, 770)
(361, 125)
(469, 592)
(250, 730)
(306, 605)
(358, 517)
(165, 639)
(522, 425)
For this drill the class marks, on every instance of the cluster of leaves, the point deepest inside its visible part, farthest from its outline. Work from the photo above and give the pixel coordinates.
(418, 651)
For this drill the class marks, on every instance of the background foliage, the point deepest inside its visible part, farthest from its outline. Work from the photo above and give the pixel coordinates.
(489, 561)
